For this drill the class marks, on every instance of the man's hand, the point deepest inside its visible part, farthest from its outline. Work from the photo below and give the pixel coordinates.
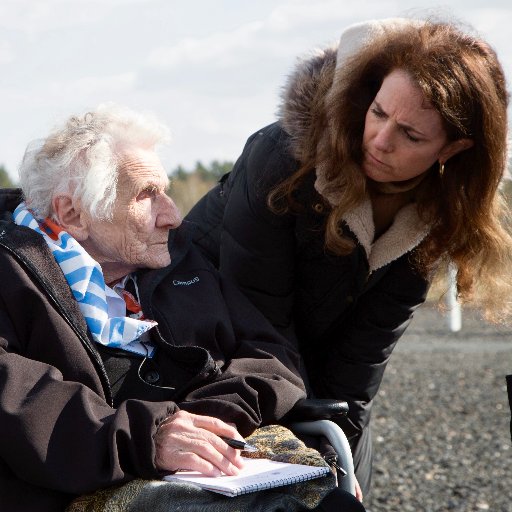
(190, 441)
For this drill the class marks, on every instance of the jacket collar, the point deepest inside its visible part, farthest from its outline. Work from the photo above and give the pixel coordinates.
(406, 233)
(30, 249)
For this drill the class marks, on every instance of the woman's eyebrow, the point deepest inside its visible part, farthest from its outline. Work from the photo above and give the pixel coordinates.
(403, 125)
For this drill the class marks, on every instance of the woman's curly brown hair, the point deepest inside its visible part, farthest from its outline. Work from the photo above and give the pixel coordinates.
(460, 75)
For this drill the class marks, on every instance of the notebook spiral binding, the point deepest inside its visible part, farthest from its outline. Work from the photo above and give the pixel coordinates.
(278, 483)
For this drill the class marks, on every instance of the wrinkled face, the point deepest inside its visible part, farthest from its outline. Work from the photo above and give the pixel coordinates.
(403, 135)
(143, 215)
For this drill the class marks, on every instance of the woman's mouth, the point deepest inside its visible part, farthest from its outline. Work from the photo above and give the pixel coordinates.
(374, 160)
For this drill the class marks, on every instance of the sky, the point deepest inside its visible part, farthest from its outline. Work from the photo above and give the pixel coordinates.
(211, 70)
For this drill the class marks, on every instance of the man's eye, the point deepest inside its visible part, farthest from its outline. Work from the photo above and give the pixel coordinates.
(147, 193)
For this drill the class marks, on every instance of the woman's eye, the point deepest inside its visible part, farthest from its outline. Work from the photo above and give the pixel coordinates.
(376, 112)
(411, 137)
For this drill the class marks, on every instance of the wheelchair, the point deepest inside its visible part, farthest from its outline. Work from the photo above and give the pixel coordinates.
(313, 417)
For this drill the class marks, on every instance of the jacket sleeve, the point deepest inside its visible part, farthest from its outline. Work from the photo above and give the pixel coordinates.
(360, 345)
(259, 383)
(59, 434)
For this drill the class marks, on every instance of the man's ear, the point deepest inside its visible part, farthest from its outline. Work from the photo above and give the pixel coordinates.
(452, 148)
(70, 217)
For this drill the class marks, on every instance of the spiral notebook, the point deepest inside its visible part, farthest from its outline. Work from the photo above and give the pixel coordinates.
(257, 474)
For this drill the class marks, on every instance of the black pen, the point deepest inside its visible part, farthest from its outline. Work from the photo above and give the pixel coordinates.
(239, 445)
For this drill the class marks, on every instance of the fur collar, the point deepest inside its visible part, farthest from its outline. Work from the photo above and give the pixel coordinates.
(406, 233)
(302, 91)
(311, 75)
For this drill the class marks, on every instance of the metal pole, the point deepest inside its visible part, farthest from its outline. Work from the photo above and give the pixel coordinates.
(455, 314)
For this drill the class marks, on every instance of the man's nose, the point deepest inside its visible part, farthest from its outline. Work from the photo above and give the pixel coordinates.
(168, 215)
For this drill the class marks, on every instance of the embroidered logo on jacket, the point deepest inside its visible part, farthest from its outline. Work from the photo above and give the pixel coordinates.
(185, 283)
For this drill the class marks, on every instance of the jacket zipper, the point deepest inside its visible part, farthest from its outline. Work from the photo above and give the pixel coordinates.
(100, 368)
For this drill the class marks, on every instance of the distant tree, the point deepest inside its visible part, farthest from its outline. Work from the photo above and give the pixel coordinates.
(5, 180)
(189, 185)
(180, 173)
(208, 173)
(202, 171)
(218, 169)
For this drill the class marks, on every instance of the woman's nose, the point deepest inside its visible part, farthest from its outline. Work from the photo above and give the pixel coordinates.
(383, 140)
(168, 215)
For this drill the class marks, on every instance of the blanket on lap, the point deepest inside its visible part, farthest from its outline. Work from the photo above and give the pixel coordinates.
(273, 442)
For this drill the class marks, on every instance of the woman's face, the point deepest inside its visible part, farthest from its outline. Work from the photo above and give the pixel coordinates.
(403, 134)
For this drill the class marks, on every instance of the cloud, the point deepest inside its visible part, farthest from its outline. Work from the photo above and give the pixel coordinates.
(34, 16)
(54, 94)
(262, 37)
(293, 15)
(218, 48)
(6, 53)
(104, 85)
(211, 70)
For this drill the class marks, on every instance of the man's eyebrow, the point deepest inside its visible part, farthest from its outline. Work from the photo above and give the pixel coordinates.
(405, 126)
(152, 185)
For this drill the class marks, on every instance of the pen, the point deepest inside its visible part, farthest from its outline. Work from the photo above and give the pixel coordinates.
(239, 445)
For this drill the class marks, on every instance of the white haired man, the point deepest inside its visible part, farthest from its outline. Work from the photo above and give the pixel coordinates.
(123, 354)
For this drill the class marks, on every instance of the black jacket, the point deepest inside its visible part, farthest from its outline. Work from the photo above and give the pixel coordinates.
(345, 316)
(60, 434)
(347, 312)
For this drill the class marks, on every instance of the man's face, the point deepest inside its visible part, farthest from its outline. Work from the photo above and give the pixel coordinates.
(143, 215)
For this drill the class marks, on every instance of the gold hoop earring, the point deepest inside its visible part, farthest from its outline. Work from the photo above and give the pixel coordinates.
(441, 169)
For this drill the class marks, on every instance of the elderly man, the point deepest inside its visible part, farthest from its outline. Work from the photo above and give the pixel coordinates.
(123, 354)
(121, 350)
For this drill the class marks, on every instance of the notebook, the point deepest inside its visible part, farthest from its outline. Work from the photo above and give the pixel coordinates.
(257, 474)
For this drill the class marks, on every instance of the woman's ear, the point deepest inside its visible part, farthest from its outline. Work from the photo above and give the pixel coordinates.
(452, 148)
(70, 217)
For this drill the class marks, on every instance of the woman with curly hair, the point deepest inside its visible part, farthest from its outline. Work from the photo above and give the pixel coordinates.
(385, 162)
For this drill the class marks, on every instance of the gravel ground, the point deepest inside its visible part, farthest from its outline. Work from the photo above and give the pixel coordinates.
(441, 420)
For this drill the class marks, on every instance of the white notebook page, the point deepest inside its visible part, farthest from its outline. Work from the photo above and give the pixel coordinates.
(257, 474)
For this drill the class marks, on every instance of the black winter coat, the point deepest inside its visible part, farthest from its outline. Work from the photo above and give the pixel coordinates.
(60, 435)
(345, 316)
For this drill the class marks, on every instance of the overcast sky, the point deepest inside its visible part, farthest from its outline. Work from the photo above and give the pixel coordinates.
(212, 70)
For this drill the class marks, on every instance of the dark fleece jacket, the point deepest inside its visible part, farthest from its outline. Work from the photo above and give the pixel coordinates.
(60, 434)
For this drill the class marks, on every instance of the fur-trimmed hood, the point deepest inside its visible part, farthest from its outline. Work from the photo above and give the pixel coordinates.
(310, 84)
(312, 74)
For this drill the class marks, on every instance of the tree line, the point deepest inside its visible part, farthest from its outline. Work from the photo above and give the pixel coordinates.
(5, 180)
(187, 185)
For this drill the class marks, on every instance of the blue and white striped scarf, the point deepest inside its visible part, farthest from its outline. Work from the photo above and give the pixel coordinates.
(85, 278)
